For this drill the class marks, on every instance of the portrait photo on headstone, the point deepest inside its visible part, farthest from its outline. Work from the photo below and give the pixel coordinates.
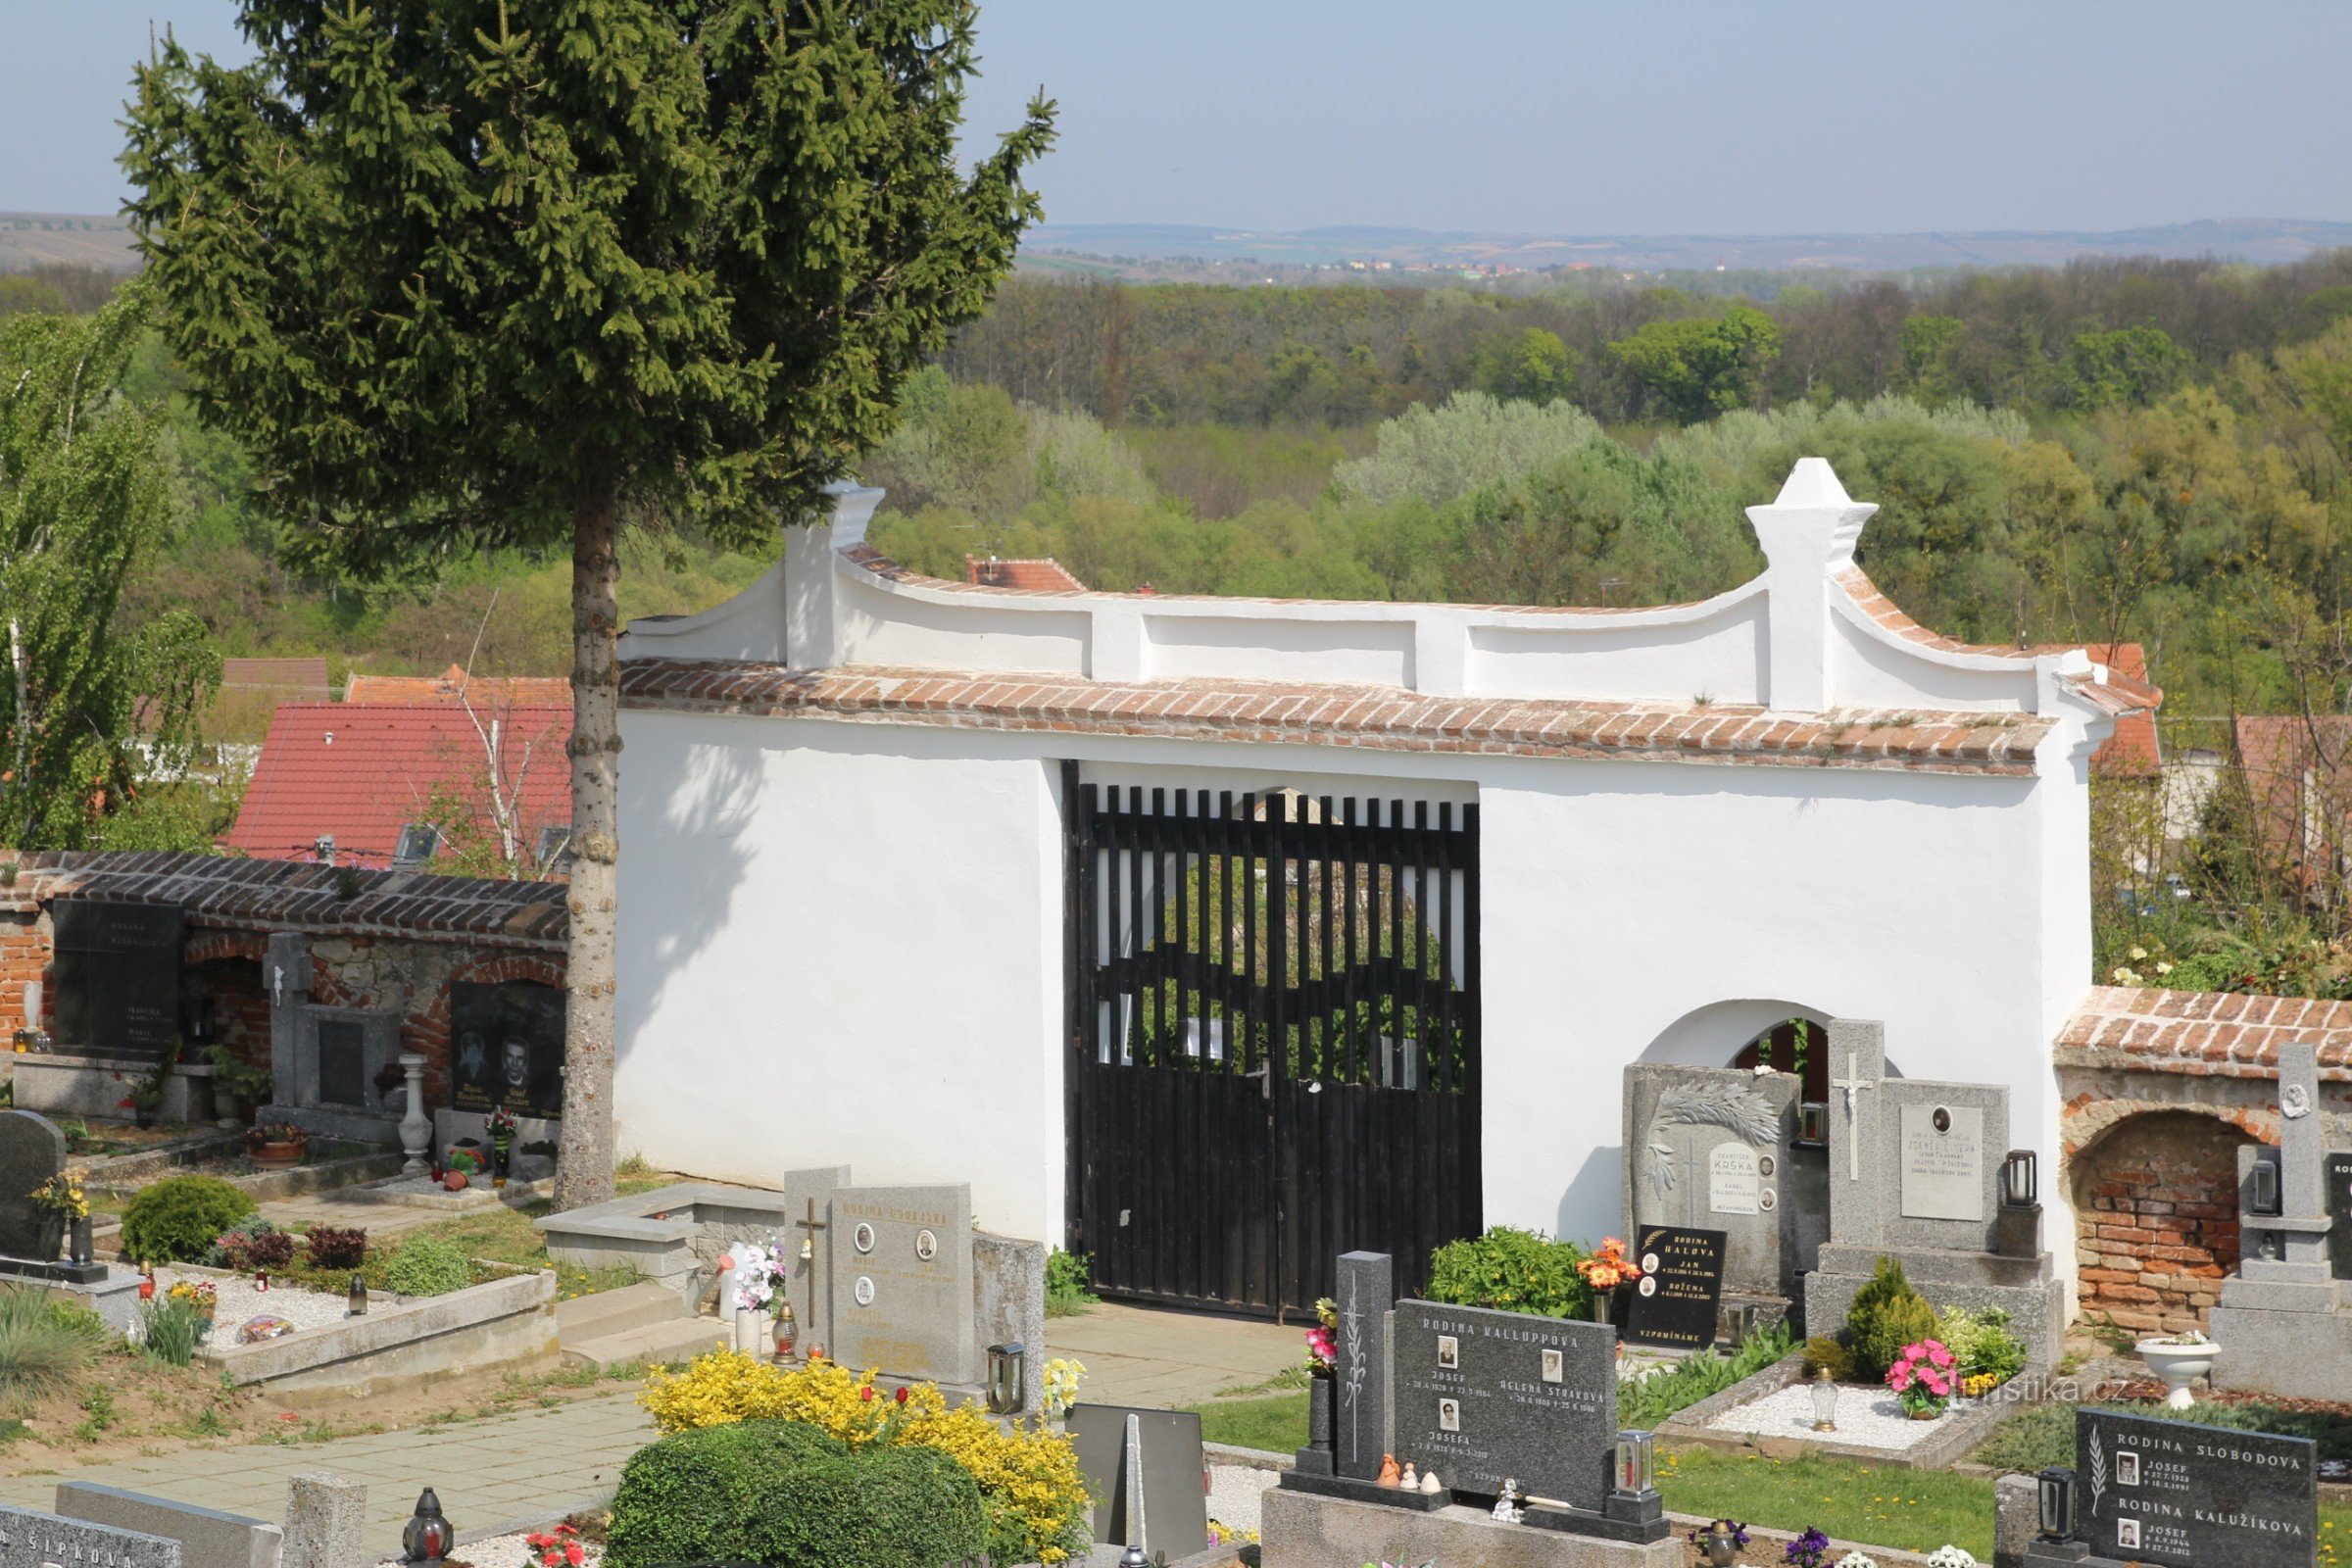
(507, 1048)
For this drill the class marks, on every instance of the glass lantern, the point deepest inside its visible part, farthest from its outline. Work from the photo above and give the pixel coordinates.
(2057, 1503)
(429, 1533)
(1006, 1385)
(1633, 1464)
(2020, 1179)
(1825, 1400)
(1813, 1122)
(2262, 1188)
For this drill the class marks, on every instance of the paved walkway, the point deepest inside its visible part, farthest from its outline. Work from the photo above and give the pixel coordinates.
(1152, 1357)
(498, 1471)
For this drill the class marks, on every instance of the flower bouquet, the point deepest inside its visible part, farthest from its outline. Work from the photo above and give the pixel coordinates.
(61, 1194)
(1323, 1339)
(1923, 1378)
(1605, 1272)
(760, 1276)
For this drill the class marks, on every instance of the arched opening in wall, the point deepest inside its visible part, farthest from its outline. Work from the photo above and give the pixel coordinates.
(2156, 1219)
(1794, 1044)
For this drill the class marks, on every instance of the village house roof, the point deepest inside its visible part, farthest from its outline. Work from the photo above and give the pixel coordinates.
(454, 685)
(362, 772)
(234, 893)
(2212, 1034)
(1376, 718)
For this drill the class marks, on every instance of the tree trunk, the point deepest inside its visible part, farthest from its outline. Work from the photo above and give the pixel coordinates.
(584, 1156)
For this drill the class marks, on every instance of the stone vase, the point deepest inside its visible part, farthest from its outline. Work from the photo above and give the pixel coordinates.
(1320, 1398)
(747, 1331)
(1722, 1548)
(78, 1241)
(764, 1336)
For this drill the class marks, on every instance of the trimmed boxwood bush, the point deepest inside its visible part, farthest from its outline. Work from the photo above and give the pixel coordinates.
(177, 1219)
(784, 1493)
(1886, 1316)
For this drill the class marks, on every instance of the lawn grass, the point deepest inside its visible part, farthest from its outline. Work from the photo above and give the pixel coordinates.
(501, 1235)
(1276, 1422)
(1913, 1510)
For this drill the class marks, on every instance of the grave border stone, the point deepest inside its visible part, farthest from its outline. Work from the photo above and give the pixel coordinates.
(32, 1539)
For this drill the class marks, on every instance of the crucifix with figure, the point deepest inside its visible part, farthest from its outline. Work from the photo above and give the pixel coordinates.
(808, 1228)
(1853, 1083)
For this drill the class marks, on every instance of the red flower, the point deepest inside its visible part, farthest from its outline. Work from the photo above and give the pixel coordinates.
(901, 1396)
(866, 1394)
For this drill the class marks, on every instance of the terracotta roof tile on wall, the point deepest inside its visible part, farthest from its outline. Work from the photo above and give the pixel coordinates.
(230, 893)
(2212, 1034)
(1371, 717)
(302, 680)
(452, 685)
(362, 771)
(1043, 574)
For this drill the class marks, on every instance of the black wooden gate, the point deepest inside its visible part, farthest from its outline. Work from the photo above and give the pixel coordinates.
(1273, 1022)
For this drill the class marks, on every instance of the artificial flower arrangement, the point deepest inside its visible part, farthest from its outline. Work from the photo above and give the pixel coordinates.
(1323, 1339)
(500, 1123)
(1061, 1390)
(557, 1548)
(1951, 1557)
(760, 1275)
(465, 1161)
(276, 1132)
(62, 1194)
(201, 1295)
(1923, 1378)
(1855, 1559)
(1609, 1268)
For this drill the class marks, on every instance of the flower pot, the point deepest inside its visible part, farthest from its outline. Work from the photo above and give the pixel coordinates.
(1320, 1398)
(142, 1116)
(454, 1181)
(746, 1330)
(275, 1156)
(2180, 1365)
(1922, 1414)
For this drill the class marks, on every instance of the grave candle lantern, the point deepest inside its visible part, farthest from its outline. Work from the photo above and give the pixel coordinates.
(1006, 1385)
(429, 1535)
(2020, 1179)
(1825, 1400)
(358, 1295)
(2262, 1188)
(2057, 1500)
(1813, 1123)
(1636, 1464)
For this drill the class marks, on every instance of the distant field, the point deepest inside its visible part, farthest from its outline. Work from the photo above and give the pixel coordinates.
(30, 239)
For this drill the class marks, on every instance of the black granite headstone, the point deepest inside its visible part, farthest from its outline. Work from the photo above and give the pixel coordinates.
(118, 977)
(1172, 1519)
(2174, 1496)
(32, 1151)
(342, 1063)
(2339, 1209)
(1681, 1289)
(507, 1048)
(1485, 1396)
(1360, 1379)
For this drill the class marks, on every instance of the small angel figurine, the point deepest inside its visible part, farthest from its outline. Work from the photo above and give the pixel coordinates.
(1390, 1475)
(1412, 1478)
(1506, 1503)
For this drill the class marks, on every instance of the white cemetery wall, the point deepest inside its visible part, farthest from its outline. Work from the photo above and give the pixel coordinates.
(868, 919)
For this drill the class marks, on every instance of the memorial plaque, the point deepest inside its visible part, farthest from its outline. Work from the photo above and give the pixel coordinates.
(505, 1049)
(1734, 1180)
(1943, 1162)
(1681, 1289)
(892, 1308)
(30, 1540)
(2176, 1496)
(1485, 1396)
(118, 977)
(342, 1063)
(2339, 1210)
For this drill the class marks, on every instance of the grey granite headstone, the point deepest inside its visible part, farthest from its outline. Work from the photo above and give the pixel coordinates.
(2177, 1496)
(902, 1282)
(1712, 1149)
(1360, 1380)
(1008, 1306)
(327, 1522)
(29, 1539)
(1857, 1085)
(1485, 1396)
(32, 1151)
(207, 1539)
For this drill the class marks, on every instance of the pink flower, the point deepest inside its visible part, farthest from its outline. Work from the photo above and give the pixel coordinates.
(1898, 1376)
(1939, 1355)
(1912, 1353)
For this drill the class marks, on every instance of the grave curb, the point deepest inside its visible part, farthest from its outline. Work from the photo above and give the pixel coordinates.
(1958, 1434)
(385, 1332)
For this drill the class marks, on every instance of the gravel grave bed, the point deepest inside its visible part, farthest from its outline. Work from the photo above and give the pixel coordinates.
(1867, 1418)
(238, 1300)
(502, 1552)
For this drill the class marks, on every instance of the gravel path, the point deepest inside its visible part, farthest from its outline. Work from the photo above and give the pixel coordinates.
(1867, 1418)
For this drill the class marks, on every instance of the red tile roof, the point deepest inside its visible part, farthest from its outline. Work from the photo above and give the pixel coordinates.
(2211, 1034)
(300, 680)
(452, 685)
(1041, 575)
(1370, 717)
(361, 773)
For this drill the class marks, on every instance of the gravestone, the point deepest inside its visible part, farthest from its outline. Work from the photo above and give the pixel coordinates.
(33, 1540)
(1716, 1148)
(32, 1151)
(506, 1048)
(118, 977)
(1914, 1174)
(902, 1282)
(1681, 1291)
(2339, 1215)
(1143, 1469)
(208, 1537)
(2170, 1495)
(1485, 1396)
(1359, 1388)
(2280, 1323)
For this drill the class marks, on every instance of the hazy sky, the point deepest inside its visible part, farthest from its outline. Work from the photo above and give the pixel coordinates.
(1639, 117)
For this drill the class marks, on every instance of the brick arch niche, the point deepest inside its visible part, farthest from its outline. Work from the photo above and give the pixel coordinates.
(2156, 1219)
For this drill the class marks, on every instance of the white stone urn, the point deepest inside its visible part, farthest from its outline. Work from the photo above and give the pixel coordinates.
(2179, 1359)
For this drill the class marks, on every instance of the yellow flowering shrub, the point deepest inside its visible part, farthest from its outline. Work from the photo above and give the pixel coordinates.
(1028, 1478)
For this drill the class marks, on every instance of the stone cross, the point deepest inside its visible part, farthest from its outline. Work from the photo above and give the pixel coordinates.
(808, 1228)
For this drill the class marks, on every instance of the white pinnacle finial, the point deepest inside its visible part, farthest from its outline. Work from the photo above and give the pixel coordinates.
(1812, 483)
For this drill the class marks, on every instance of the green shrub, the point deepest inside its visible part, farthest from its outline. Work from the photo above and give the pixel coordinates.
(1980, 1343)
(1886, 1316)
(1512, 1271)
(42, 1350)
(251, 1244)
(1824, 1351)
(780, 1492)
(179, 1219)
(1069, 1284)
(170, 1330)
(335, 1247)
(426, 1266)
